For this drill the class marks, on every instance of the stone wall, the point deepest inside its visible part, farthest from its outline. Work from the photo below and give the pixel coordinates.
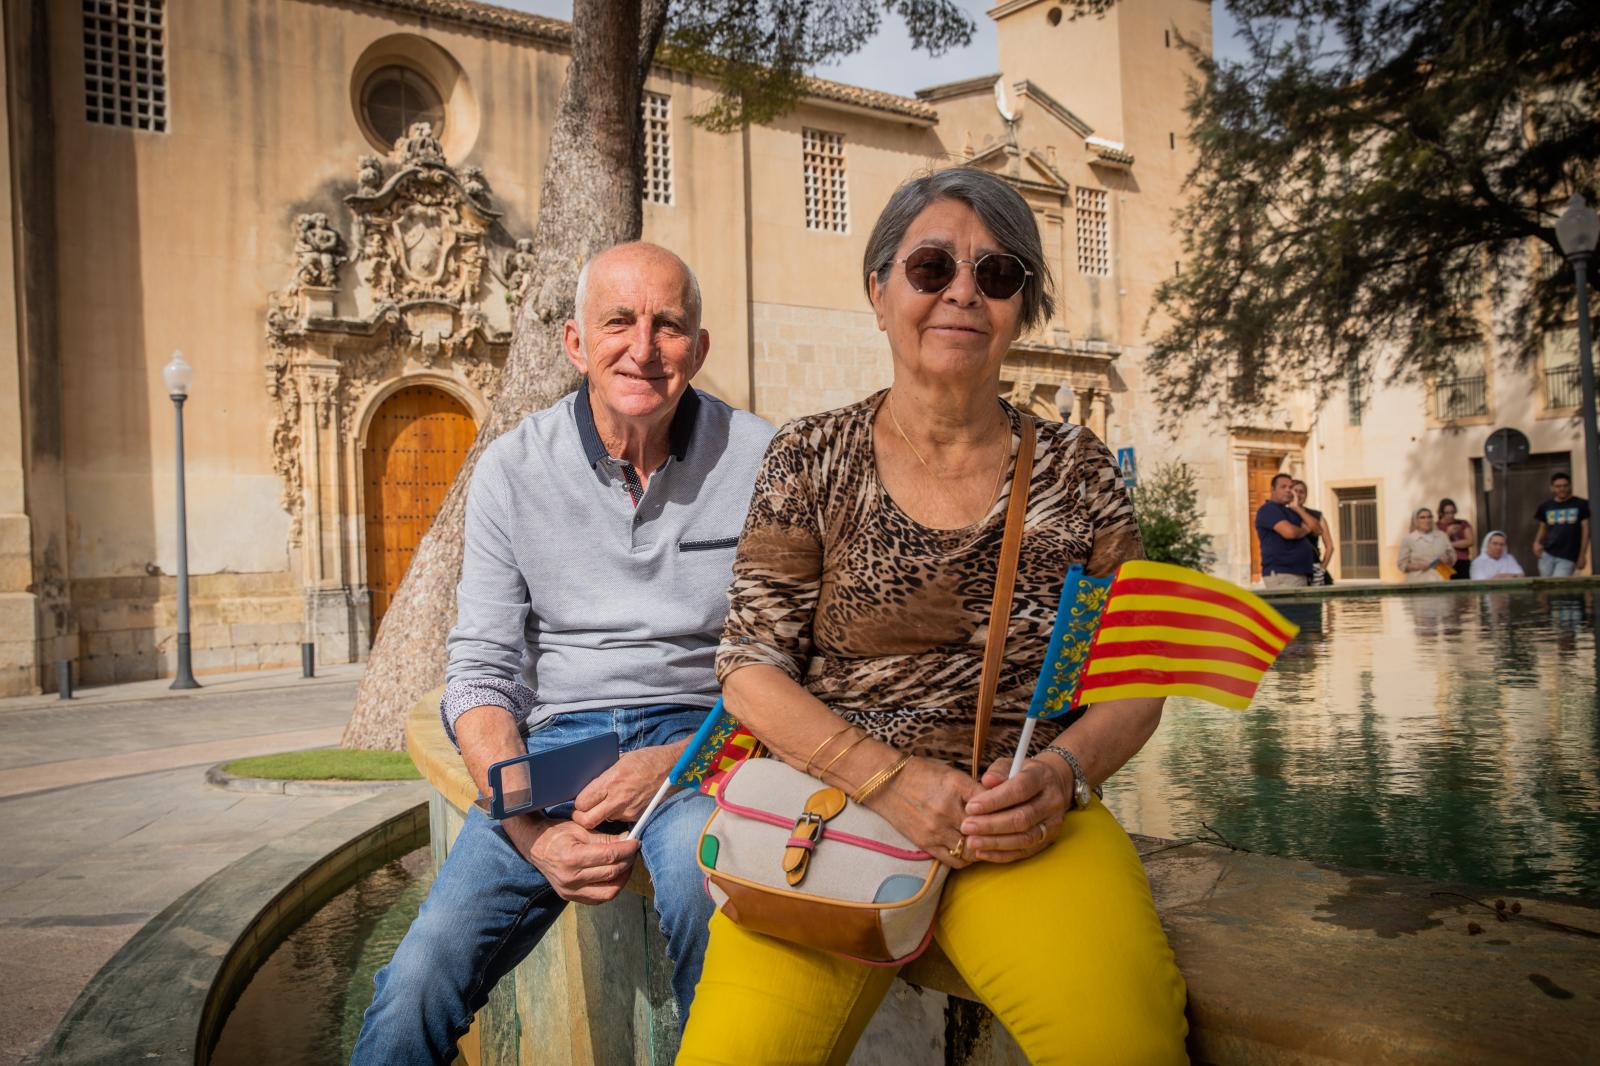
(127, 626)
(811, 359)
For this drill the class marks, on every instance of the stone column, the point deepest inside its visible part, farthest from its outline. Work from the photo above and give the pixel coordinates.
(1097, 413)
(330, 621)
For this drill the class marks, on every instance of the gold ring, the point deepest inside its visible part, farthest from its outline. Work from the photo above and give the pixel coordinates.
(959, 849)
(1043, 832)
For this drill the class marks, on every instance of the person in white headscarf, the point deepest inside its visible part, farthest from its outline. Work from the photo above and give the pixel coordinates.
(1494, 561)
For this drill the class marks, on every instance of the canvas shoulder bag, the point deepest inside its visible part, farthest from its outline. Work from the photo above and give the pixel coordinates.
(865, 891)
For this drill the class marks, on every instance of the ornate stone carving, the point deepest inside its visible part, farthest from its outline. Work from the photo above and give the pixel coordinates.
(519, 273)
(423, 294)
(370, 175)
(319, 250)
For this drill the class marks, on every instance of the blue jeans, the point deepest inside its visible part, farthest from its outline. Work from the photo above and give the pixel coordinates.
(1555, 566)
(489, 906)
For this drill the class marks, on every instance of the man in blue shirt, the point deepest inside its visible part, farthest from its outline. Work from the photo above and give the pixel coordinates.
(1283, 526)
(1562, 543)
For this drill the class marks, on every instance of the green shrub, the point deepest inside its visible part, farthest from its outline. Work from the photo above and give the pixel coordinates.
(1167, 506)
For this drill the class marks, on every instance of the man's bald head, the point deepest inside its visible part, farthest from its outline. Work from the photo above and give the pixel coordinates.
(631, 255)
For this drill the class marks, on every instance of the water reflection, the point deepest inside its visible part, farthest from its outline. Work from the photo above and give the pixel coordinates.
(1452, 735)
(304, 1006)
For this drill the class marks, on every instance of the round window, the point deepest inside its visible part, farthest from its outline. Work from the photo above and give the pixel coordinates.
(394, 97)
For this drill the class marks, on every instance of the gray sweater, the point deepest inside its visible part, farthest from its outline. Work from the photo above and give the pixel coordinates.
(575, 597)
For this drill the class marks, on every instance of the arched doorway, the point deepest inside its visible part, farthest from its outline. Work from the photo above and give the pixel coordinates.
(416, 443)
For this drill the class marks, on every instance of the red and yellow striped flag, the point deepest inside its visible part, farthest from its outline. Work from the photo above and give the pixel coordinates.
(1171, 631)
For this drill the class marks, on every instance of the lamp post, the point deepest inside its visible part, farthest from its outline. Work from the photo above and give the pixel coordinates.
(1578, 231)
(1067, 401)
(178, 375)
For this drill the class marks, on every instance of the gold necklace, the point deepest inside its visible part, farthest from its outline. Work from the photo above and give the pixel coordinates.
(1005, 455)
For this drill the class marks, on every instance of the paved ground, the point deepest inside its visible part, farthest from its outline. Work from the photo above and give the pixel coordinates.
(105, 817)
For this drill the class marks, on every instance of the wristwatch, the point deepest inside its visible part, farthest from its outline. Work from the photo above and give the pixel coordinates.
(1081, 793)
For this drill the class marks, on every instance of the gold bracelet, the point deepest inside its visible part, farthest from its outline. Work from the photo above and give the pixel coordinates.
(845, 728)
(879, 779)
(822, 774)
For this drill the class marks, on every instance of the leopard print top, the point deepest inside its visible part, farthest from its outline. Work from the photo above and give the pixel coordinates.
(884, 619)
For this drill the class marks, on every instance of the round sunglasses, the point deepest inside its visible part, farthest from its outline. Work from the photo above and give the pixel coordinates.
(999, 275)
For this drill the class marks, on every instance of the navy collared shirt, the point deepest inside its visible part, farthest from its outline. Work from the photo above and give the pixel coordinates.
(679, 434)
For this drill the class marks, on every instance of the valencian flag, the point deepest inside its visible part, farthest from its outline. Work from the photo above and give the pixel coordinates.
(1083, 599)
(719, 745)
(1169, 631)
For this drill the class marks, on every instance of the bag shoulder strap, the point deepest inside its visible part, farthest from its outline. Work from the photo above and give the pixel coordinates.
(1004, 583)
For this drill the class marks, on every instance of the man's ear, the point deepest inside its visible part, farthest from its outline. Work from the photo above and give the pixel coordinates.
(702, 349)
(875, 294)
(574, 346)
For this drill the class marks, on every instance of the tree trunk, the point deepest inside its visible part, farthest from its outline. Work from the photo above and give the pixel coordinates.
(589, 201)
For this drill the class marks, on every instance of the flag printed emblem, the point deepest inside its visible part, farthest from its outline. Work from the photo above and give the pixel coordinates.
(1083, 599)
(719, 745)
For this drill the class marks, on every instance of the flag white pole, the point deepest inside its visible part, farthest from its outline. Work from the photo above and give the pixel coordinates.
(1022, 746)
(655, 801)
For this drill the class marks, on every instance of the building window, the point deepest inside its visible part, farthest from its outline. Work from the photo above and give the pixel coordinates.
(1358, 532)
(827, 206)
(394, 97)
(1462, 389)
(1355, 397)
(1563, 381)
(125, 63)
(1094, 232)
(657, 108)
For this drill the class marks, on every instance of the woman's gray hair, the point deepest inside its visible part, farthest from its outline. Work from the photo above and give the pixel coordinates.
(1000, 207)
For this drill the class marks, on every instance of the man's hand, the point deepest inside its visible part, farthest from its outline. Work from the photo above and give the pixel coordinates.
(623, 791)
(581, 866)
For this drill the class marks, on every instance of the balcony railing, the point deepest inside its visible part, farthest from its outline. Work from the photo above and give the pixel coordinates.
(1455, 398)
(1563, 387)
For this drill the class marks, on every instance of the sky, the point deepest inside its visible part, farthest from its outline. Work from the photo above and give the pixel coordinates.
(887, 62)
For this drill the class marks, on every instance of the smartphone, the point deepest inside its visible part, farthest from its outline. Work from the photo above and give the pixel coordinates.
(547, 778)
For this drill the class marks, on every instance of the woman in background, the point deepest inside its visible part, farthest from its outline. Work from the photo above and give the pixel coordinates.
(1494, 561)
(1425, 550)
(1321, 537)
(1459, 530)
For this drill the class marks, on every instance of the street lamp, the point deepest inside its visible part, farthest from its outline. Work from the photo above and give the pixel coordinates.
(178, 375)
(1577, 231)
(1067, 401)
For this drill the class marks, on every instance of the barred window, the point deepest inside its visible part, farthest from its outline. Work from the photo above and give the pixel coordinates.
(1094, 232)
(125, 63)
(657, 108)
(827, 206)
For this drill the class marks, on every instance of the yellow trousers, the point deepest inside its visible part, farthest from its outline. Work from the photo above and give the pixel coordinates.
(1065, 947)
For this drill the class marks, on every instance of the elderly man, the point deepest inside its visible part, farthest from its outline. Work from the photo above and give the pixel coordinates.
(599, 548)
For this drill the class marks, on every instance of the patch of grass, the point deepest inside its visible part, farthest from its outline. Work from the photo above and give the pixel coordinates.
(327, 764)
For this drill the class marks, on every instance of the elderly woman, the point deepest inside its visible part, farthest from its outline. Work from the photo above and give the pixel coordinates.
(855, 637)
(1494, 561)
(1425, 549)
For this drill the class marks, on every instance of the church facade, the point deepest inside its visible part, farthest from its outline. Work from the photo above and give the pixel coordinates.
(327, 206)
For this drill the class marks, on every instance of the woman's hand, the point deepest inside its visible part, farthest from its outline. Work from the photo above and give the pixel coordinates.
(1014, 818)
(927, 802)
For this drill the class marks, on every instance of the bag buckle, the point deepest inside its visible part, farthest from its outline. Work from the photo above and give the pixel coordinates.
(820, 806)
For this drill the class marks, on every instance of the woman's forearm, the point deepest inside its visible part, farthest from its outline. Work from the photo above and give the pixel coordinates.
(1111, 733)
(796, 726)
